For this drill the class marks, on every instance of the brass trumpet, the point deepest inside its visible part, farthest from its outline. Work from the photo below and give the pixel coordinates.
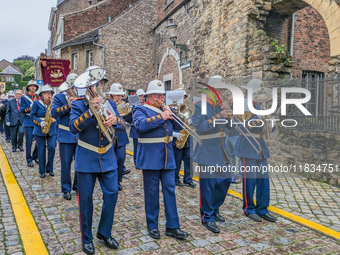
(184, 108)
(123, 108)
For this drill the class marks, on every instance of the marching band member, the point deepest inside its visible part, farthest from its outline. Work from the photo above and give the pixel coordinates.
(38, 114)
(250, 158)
(213, 186)
(61, 108)
(10, 95)
(182, 154)
(95, 158)
(133, 131)
(116, 93)
(26, 102)
(155, 156)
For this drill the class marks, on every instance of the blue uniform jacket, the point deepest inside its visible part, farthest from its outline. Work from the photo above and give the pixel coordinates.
(38, 111)
(243, 148)
(122, 137)
(25, 107)
(61, 111)
(85, 125)
(149, 124)
(213, 151)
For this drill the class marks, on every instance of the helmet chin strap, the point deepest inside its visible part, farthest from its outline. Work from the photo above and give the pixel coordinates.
(156, 103)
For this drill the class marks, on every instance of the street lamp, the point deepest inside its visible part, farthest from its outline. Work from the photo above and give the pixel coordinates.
(172, 31)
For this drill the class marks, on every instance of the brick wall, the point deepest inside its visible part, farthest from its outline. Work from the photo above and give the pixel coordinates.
(311, 42)
(278, 26)
(90, 18)
(129, 46)
(184, 18)
(165, 7)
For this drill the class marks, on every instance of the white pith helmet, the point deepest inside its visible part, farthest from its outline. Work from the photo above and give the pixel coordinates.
(116, 89)
(140, 92)
(217, 82)
(10, 94)
(46, 88)
(92, 68)
(155, 87)
(254, 83)
(70, 79)
(32, 82)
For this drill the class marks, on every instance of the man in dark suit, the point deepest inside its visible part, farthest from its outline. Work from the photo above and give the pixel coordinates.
(14, 120)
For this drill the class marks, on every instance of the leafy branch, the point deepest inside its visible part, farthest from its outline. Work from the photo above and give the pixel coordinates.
(282, 50)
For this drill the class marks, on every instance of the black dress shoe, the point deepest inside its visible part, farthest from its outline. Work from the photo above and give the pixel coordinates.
(176, 232)
(88, 248)
(268, 217)
(51, 173)
(75, 189)
(67, 196)
(14, 149)
(110, 242)
(120, 187)
(191, 185)
(179, 184)
(211, 226)
(8, 141)
(219, 218)
(126, 171)
(154, 233)
(30, 164)
(21, 148)
(36, 161)
(42, 175)
(254, 217)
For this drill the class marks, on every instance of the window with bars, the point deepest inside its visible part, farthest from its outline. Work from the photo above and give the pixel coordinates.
(312, 81)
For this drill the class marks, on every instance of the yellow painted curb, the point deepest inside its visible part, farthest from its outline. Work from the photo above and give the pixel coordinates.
(293, 217)
(30, 235)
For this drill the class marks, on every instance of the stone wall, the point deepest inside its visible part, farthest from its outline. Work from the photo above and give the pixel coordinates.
(92, 17)
(184, 18)
(292, 147)
(81, 58)
(129, 46)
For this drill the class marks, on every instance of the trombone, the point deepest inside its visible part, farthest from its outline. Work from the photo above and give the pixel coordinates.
(249, 134)
(183, 125)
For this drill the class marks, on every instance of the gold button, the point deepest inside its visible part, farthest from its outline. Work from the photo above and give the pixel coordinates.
(101, 146)
(102, 138)
(167, 130)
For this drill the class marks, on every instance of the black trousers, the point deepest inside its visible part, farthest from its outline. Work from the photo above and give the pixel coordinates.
(17, 135)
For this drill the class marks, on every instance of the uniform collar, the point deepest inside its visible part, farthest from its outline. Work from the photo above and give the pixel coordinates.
(212, 103)
(32, 95)
(149, 103)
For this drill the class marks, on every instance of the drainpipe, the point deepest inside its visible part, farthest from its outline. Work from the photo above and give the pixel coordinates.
(291, 50)
(292, 36)
(97, 37)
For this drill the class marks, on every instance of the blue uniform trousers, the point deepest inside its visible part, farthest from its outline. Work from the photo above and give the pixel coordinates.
(121, 155)
(260, 180)
(109, 185)
(212, 195)
(2, 128)
(7, 132)
(135, 146)
(66, 154)
(29, 141)
(182, 154)
(51, 144)
(151, 180)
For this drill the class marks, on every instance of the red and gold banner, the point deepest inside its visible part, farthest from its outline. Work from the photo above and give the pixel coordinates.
(54, 71)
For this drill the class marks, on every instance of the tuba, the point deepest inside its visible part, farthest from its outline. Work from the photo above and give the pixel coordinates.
(123, 108)
(87, 80)
(48, 119)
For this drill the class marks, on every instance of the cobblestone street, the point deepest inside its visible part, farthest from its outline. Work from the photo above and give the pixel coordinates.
(58, 219)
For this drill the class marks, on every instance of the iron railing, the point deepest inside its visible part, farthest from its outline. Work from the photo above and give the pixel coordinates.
(323, 105)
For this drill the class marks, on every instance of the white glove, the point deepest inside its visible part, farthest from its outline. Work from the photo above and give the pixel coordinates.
(177, 135)
(42, 124)
(190, 121)
(8, 123)
(31, 105)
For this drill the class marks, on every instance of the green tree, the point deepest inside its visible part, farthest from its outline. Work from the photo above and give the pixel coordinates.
(30, 73)
(24, 65)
